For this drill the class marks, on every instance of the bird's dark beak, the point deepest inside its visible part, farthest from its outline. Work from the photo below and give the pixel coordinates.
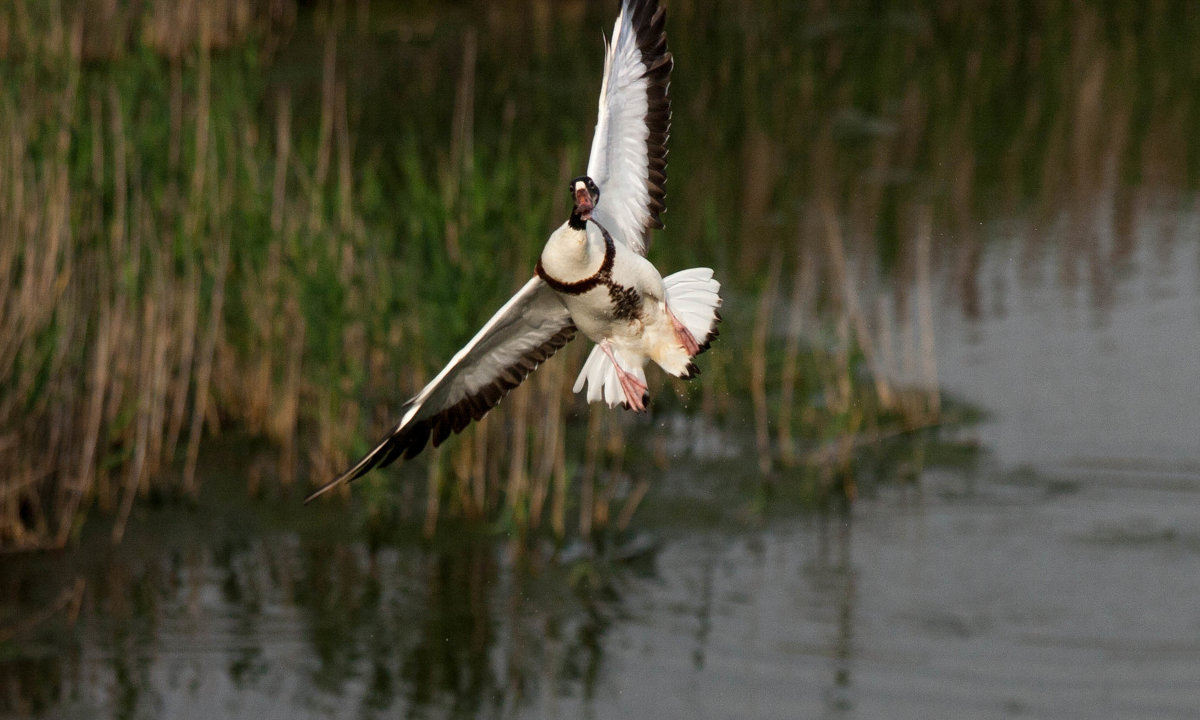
(583, 202)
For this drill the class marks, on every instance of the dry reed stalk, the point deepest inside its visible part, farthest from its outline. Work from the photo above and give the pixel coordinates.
(558, 503)
(459, 169)
(268, 316)
(286, 418)
(1115, 198)
(138, 467)
(540, 478)
(433, 494)
(187, 323)
(758, 367)
(614, 473)
(479, 496)
(283, 149)
(714, 392)
(925, 309)
(865, 203)
(171, 27)
(11, 202)
(493, 458)
(175, 115)
(125, 239)
(326, 456)
(548, 438)
(13, 328)
(345, 167)
(760, 177)
(204, 175)
(587, 480)
(833, 369)
(631, 504)
(72, 491)
(68, 602)
(803, 281)
(160, 340)
(462, 458)
(195, 206)
(887, 341)
(517, 416)
(283, 330)
(960, 158)
(206, 359)
(844, 283)
(325, 131)
(122, 332)
(838, 451)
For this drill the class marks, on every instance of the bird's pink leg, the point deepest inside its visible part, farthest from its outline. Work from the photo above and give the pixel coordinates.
(634, 389)
(685, 336)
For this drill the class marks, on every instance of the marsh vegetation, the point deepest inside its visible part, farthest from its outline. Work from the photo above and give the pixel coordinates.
(235, 235)
(252, 218)
(233, 218)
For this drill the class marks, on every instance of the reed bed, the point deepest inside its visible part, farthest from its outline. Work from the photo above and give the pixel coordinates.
(193, 241)
(118, 216)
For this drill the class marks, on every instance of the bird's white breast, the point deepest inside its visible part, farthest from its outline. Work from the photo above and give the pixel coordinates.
(598, 311)
(572, 255)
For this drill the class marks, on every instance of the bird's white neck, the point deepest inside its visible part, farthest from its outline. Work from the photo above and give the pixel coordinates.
(571, 254)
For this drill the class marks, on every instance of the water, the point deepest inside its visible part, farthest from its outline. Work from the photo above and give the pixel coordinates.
(1081, 380)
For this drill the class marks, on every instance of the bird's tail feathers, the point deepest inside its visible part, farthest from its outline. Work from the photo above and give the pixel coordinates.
(601, 378)
(692, 296)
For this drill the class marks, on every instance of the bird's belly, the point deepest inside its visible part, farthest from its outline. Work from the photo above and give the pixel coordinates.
(609, 314)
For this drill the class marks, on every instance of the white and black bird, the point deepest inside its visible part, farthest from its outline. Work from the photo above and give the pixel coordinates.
(592, 276)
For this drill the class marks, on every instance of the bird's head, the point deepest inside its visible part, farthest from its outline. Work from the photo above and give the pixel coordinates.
(585, 195)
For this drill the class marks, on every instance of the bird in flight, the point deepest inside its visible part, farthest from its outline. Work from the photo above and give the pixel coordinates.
(592, 276)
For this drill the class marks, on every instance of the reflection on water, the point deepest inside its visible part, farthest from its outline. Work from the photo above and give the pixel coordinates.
(977, 593)
(272, 625)
(1081, 375)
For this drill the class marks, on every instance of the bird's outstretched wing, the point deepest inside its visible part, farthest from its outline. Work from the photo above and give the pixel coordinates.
(629, 150)
(530, 327)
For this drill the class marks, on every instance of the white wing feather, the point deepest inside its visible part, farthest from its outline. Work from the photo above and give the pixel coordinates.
(628, 155)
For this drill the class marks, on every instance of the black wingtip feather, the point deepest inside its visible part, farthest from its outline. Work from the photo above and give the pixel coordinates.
(649, 21)
(713, 332)
(411, 439)
(441, 431)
